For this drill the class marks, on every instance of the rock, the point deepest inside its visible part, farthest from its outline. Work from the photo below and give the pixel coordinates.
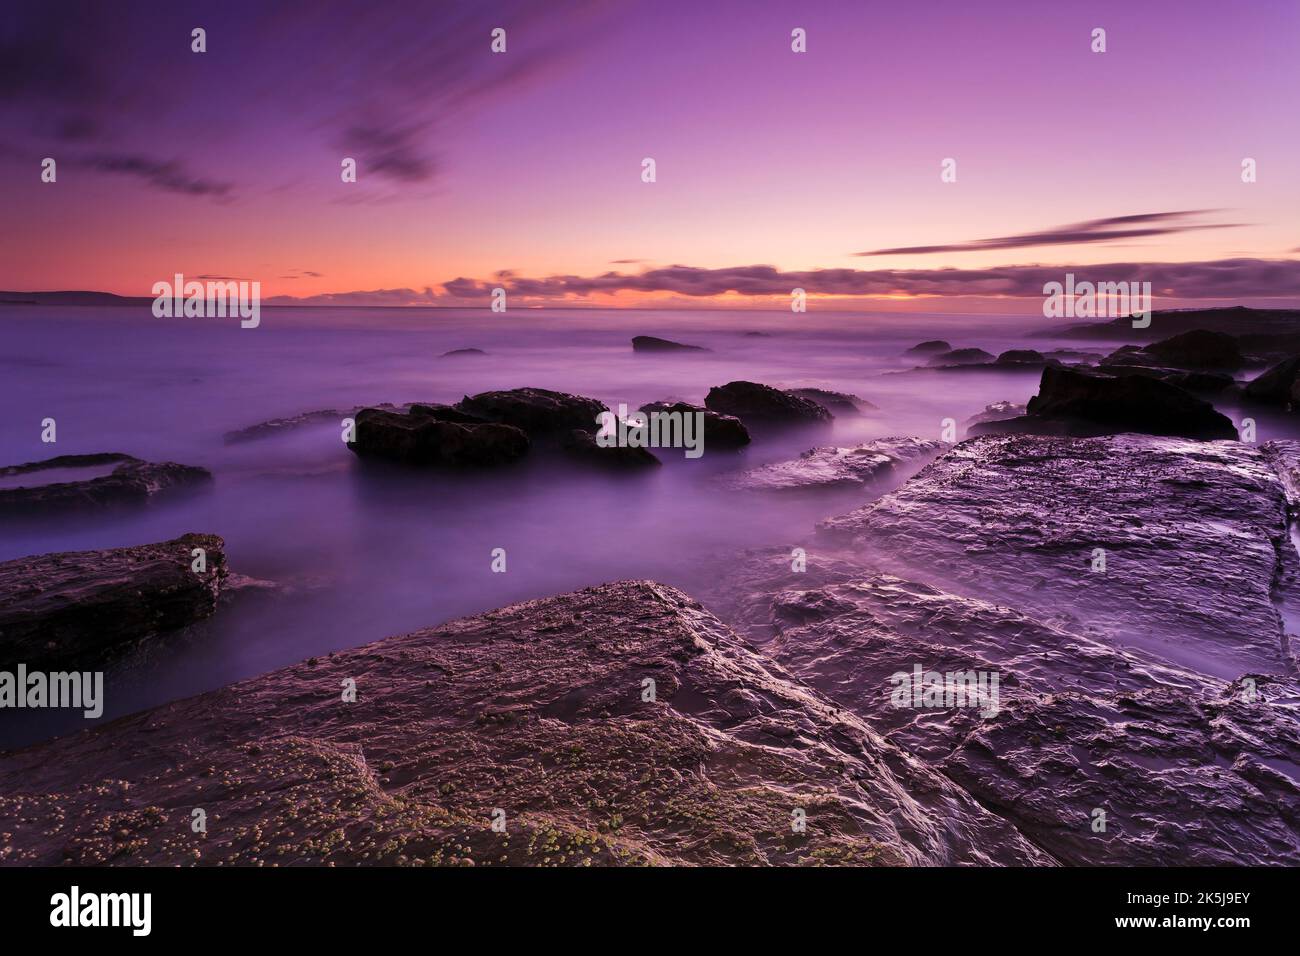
(932, 346)
(1019, 521)
(837, 403)
(649, 343)
(537, 411)
(1239, 321)
(1208, 382)
(998, 411)
(278, 426)
(1075, 403)
(961, 357)
(536, 709)
(582, 445)
(1182, 764)
(1021, 357)
(720, 431)
(80, 609)
(750, 401)
(1277, 386)
(463, 353)
(838, 467)
(130, 482)
(422, 437)
(1199, 350)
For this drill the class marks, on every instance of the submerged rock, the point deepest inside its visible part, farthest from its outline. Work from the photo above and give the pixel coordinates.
(750, 401)
(582, 445)
(720, 431)
(837, 403)
(131, 481)
(436, 435)
(537, 411)
(539, 709)
(1277, 386)
(838, 467)
(932, 346)
(961, 357)
(650, 343)
(1080, 404)
(79, 609)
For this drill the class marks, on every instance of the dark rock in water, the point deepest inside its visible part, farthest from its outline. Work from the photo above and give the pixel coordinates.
(839, 467)
(582, 445)
(131, 482)
(1018, 520)
(837, 403)
(80, 609)
(649, 343)
(463, 353)
(1211, 383)
(1199, 350)
(720, 431)
(961, 357)
(1244, 323)
(758, 335)
(538, 411)
(1183, 764)
(998, 411)
(536, 709)
(1021, 357)
(422, 438)
(925, 348)
(1079, 404)
(444, 413)
(1277, 386)
(278, 426)
(750, 401)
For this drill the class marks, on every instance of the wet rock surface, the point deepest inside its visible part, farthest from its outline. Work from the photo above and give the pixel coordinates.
(582, 446)
(1198, 349)
(961, 357)
(1194, 537)
(750, 402)
(1277, 386)
(539, 710)
(1081, 404)
(536, 411)
(131, 482)
(78, 609)
(837, 403)
(830, 467)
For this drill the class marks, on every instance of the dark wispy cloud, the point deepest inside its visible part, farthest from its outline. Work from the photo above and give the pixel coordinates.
(1215, 279)
(170, 175)
(1116, 228)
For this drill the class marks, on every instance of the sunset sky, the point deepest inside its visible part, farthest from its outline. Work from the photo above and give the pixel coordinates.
(471, 163)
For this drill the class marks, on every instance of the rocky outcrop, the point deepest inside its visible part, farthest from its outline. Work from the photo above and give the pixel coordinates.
(960, 357)
(821, 468)
(1123, 537)
(78, 609)
(621, 724)
(928, 348)
(1187, 769)
(1080, 404)
(837, 403)
(752, 402)
(995, 412)
(650, 343)
(436, 435)
(1278, 385)
(720, 431)
(131, 482)
(463, 353)
(1021, 357)
(1198, 350)
(537, 411)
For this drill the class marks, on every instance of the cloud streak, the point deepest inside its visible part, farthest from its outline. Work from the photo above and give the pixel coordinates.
(1137, 226)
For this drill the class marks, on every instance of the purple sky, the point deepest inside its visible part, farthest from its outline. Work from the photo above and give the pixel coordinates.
(774, 169)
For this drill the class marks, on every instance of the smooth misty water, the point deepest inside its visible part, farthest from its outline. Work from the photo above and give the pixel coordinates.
(369, 550)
